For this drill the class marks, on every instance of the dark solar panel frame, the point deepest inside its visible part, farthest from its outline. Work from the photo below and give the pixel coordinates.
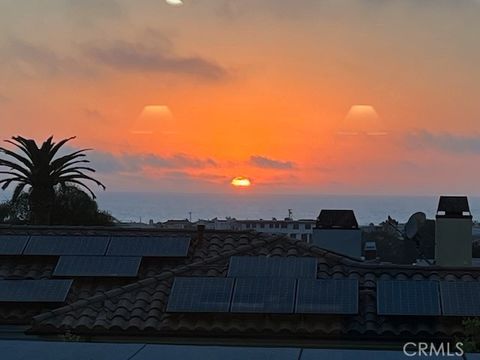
(327, 296)
(34, 290)
(264, 295)
(460, 298)
(66, 245)
(98, 266)
(200, 294)
(408, 297)
(155, 246)
(263, 266)
(12, 244)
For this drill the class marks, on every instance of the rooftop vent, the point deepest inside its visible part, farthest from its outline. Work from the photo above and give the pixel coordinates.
(337, 219)
(453, 206)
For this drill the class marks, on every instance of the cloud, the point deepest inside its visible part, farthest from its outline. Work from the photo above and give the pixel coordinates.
(452, 143)
(110, 163)
(93, 114)
(85, 12)
(267, 163)
(127, 56)
(33, 59)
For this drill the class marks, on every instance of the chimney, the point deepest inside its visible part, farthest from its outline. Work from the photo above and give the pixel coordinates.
(453, 232)
(338, 231)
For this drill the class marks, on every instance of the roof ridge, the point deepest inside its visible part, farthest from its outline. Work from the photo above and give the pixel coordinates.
(258, 242)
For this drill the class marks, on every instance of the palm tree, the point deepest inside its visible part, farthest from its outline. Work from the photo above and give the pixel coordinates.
(38, 169)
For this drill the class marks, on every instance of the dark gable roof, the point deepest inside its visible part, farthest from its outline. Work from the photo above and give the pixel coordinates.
(453, 204)
(126, 308)
(342, 219)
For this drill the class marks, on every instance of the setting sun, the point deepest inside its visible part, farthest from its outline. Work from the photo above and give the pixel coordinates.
(241, 181)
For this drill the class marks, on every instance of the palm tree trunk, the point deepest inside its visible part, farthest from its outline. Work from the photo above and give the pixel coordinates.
(41, 203)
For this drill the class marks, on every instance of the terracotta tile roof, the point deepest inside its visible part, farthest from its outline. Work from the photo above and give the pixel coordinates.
(117, 307)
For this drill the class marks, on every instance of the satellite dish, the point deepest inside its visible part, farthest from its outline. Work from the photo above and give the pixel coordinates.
(414, 224)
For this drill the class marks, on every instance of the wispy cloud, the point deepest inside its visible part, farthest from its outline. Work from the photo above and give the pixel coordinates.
(127, 56)
(110, 163)
(267, 163)
(452, 143)
(34, 59)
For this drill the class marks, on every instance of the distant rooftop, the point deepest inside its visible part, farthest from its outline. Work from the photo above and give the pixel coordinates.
(337, 219)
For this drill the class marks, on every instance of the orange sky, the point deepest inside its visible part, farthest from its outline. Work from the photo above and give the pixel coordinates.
(256, 89)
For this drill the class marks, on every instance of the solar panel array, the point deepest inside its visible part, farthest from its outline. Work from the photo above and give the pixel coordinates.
(197, 294)
(408, 297)
(34, 290)
(339, 296)
(173, 246)
(98, 266)
(460, 298)
(262, 266)
(264, 295)
(12, 244)
(72, 245)
(66, 245)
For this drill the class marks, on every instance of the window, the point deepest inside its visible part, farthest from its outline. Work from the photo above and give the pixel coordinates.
(293, 236)
(262, 225)
(296, 226)
(277, 226)
(305, 237)
(284, 225)
(270, 225)
(308, 226)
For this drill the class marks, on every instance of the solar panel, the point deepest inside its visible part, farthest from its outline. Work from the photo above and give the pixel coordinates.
(264, 295)
(12, 244)
(200, 294)
(98, 266)
(408, 297)
(66, 245)
(332, 296)
(34, 290)
(167, 246)
(460, 298)
(259, 266)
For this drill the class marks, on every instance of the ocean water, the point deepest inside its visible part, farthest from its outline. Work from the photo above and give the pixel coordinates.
(127, 206)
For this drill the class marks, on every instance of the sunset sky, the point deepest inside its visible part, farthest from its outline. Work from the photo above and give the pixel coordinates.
(186, 98)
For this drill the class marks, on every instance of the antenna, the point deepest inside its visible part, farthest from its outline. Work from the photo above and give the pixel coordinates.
(412, 228)
(414, 224)
(290, 214)
(411, 231)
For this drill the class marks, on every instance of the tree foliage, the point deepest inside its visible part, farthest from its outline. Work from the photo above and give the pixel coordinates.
(41, 170)
(71, 206)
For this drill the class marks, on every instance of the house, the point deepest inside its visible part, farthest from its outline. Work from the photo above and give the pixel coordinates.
(296, 229)
(177, 224)
(140, 294)
(338, 230)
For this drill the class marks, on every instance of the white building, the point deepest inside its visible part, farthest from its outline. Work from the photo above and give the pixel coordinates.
(296, 229)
